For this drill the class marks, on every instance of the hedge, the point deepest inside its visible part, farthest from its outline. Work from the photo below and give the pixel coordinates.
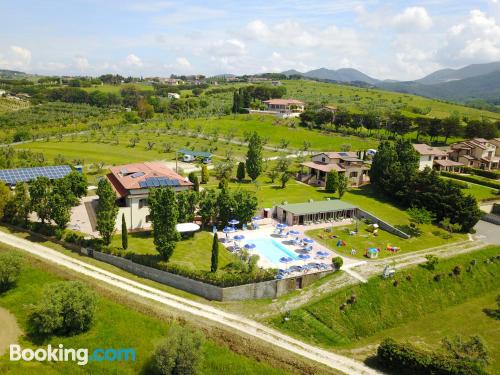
(220, 278)
(495, 175)
(407, 359)
(470, 178)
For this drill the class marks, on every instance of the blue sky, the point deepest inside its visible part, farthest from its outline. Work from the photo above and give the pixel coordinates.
(385, 39)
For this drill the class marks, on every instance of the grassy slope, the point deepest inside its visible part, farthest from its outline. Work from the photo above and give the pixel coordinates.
(116, 88)
(115, 326)
(455, 320)
(381, 305)
(356, 99)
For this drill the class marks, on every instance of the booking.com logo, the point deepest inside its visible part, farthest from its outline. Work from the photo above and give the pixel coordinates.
(61, 354)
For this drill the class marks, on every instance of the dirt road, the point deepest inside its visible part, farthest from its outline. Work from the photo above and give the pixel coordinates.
(229, 320)
(10, 330)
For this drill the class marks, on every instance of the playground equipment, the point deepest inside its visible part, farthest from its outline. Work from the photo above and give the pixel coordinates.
(372, 252)
(392, 249)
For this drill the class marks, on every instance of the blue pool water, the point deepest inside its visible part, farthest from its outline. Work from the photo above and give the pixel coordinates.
(272, 250)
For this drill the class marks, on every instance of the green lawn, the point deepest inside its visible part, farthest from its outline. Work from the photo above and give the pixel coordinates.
(382, 305)
(466, 319)
(430, 237)
(116, 88)
(193, 253)
(479, 192)
(116, 325)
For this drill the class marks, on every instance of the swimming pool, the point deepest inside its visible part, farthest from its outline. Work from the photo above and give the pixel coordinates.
(272, 250)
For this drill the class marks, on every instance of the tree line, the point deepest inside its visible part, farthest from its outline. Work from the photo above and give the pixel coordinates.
(398, 124)
(244, 97)
(395, 173)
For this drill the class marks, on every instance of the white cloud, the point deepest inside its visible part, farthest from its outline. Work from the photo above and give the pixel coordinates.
(81, 62)
(133, 61)
(183, 63)
(16, 58)
(227, 47)
(413, 19)
(476, 39)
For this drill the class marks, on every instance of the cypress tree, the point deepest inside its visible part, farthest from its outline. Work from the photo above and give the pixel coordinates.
(164, 213)
(107, 210)
(215, 254)
(204, 174)
(254, 163)
(240, 173)
(124, 233)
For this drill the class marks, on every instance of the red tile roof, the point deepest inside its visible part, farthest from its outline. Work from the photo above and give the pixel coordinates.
(283, 101)
(127, 177)
(323, 167)
(448, 163)
(424, 149)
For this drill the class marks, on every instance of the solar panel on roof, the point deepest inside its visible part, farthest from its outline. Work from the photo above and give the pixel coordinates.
(343, 153)
(158, 181)
(13, 176)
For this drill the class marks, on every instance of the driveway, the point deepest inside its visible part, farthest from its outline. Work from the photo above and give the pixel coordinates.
(488, 232)
(230, 321)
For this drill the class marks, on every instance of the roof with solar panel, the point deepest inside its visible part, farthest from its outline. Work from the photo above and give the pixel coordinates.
(132, 178)
(13, 176)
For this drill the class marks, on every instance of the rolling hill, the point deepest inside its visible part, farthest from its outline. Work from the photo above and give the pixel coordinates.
(447, 75)
(339, 75)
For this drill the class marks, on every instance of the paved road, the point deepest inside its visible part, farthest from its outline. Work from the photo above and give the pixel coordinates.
(488, 232)
(229, 320)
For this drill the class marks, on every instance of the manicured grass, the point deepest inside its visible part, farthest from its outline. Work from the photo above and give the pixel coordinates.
(466, 319)
(382, 304)
(115, 326)
(193, 253)
(430, 237)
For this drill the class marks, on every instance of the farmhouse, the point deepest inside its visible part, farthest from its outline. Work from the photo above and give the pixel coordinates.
(477, 153)
(285, 107)
(436, 158)
(132, 182)
(346, 163)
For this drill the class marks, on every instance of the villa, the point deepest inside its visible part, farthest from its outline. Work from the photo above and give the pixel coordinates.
(132, 182)
(285, 107)
(435, 158)
(347, 163)
(477, 153)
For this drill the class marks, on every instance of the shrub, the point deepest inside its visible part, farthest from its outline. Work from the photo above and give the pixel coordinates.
(337, 262)
(179, 353)
(457, 270)
(67, 308)
(405, 358)
(470, 178)
(10, 268)
(431, 263)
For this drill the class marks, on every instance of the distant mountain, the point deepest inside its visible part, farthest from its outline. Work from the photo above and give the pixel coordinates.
(484, 87)
(447, 75)
(5, 73)
(339, 75)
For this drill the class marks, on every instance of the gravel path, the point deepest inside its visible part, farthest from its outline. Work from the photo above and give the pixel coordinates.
(9, 331)
(229, 320)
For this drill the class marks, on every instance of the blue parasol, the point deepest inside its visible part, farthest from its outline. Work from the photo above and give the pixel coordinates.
(256, 218)
(281, 226)
(239, 237)
(294, 232)
(250, 246)
(308, 240)
(304, 256)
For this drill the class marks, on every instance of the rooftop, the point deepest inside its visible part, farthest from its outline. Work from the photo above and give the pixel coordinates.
(424, 149)
(339, 154)
(323, 167)
(283, 101)
(448, 163)
(143, 176)
(316, 207)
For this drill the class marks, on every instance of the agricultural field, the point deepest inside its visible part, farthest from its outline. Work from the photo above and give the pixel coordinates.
(119, 322)
(108, 88)
(359, 99)
(7, 105)
(416, 301)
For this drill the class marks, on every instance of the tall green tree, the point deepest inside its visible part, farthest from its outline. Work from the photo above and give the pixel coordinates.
(164, 214)
(332, 182)
(208, 206)
(107, 210)
(40, 190)
(60, 210)
(342, 185)
(215, 254)
(240, 172)
(225, 206)
(254, 162)
(451, 126)
(21, 203)
(124, 233)
(5, 197)
(245, 204)
(205, 176)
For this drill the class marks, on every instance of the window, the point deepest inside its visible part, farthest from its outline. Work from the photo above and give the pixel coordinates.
(353, 174)
(323, 160)
(148, 218)
(143, 203)
(430, 158)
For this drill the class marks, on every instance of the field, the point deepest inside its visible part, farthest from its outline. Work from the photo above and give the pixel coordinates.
(193, 253)
(7, 105)
(359, 99)
(116, 325)
(116, 88)
(382, 305)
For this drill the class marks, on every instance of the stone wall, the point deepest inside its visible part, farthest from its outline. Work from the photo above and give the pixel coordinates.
(266, 289)
(382, 224)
